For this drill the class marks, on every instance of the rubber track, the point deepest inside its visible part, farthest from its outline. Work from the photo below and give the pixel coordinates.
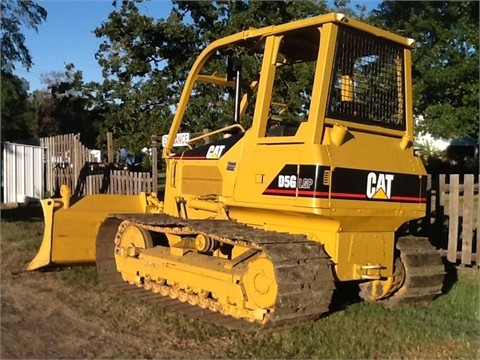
(425, 273)
(303, 270)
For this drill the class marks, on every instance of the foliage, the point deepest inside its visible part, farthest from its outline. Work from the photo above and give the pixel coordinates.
(428, 150)
(66, 106)
(15, 14)
(146, 61)
(445, 62)
(359, 11)
(17, 121)
(61, 108)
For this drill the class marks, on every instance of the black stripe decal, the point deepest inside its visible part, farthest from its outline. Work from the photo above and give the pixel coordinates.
(313, 181)
(211, 151)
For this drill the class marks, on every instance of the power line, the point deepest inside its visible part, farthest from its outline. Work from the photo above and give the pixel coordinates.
(29, 73)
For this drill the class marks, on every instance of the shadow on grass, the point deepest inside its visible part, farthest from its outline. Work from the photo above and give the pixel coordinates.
(28, 212)
(345, 294)
(451, 276)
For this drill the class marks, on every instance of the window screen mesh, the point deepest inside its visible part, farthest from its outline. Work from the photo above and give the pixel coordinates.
(367, 84)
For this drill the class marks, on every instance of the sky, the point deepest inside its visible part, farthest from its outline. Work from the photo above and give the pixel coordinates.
(67, 36)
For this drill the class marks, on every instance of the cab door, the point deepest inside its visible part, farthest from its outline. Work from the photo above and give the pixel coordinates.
(280, 139)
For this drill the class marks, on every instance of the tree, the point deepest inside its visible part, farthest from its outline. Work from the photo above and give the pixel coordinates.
(14, 15)
(146, 61)
(359, 11)
(17, 114)
(17, 120)
(66, 106)
(445, 61)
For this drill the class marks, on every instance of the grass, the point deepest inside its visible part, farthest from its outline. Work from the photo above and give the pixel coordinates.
(21, 227)
(82, 277)
(448, 328)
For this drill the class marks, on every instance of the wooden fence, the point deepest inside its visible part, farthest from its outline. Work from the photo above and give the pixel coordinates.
(454, 221)
(69, 162)
(65, 156)
(130, 183)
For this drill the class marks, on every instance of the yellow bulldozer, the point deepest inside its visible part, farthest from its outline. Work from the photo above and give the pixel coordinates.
(306, 183)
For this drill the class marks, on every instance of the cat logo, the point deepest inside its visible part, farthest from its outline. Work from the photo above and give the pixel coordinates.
(215, 151)
(379, 186)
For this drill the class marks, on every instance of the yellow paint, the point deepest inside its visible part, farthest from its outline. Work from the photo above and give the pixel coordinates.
(70, 232)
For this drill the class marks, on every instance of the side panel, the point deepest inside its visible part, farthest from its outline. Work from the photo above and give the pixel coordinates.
(198, 179)
(263, 165)
(208, 170)
(375, 169)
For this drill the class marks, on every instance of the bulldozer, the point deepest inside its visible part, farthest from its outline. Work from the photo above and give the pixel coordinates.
(306, 183)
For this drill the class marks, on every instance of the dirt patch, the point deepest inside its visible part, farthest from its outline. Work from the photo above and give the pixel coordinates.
(45, 316)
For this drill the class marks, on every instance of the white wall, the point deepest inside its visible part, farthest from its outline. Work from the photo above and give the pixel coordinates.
(22, 172)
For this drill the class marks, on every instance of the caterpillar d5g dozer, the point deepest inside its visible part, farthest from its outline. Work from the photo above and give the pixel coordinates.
(258, 225)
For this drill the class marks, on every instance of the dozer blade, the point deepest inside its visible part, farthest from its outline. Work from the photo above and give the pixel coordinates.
(71, 230)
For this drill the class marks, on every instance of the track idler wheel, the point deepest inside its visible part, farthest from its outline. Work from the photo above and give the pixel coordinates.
(260, 283)
(131, 238)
